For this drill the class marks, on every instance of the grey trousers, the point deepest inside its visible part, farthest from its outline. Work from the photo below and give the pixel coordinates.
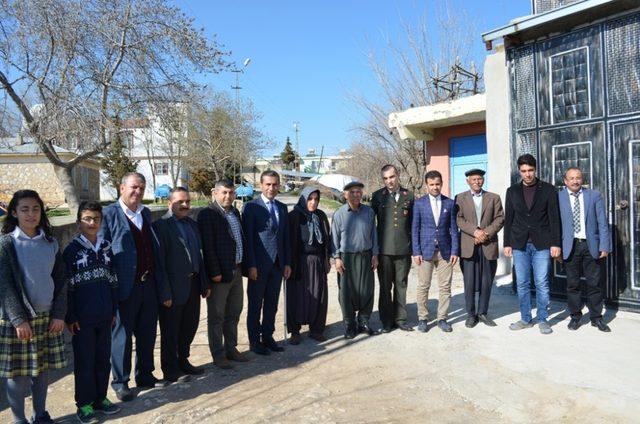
(223, 314)
(18, 389)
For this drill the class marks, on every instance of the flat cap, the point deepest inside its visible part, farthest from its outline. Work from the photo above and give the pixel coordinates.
(353, 184)
(475, 171)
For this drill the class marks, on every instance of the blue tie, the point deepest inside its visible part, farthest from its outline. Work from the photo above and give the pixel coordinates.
(274, 218)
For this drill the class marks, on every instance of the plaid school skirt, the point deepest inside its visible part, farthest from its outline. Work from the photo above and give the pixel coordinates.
(30, 358)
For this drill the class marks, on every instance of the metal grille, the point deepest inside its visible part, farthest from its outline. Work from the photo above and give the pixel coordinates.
(566, 156)
(623, 64)
(570, 85)
(546, 5)
(635, 217)
(523, 87)
(526, 143)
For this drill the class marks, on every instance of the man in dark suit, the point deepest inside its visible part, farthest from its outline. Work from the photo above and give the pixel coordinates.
(180, 247)
(141, 285)
(532, 237)
(480, 218)
(223, 248)
(267, 259)
(435, 245)
(586, 242)
(393, 206)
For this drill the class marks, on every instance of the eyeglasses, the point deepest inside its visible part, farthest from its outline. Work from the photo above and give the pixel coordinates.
(90, 219)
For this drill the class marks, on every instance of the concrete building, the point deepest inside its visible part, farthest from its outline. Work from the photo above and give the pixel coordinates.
(158, 161)
(574, 100)
(24, 166)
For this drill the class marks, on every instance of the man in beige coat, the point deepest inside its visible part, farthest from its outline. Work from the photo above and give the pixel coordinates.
(480, 217)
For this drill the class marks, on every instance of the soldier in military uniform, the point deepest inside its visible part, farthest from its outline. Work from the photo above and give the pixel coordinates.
(393, 205)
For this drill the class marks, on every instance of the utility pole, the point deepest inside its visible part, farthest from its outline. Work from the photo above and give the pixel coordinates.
(237, 89)
(296, 127)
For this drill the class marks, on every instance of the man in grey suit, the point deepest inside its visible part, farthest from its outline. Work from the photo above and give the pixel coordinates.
(586, 242)
(180, 246)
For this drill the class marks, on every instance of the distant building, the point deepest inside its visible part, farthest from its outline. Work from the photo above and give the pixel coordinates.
(24, 166)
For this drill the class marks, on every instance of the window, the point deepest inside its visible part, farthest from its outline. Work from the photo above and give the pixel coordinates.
(84, 177)
(162, 168)
(568, 155)
(127, 139)
(569, 85)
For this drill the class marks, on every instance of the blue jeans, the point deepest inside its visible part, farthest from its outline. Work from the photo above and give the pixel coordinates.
(18, 389)
(540, 261)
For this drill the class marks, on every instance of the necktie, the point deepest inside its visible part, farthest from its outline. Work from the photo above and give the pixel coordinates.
(436, 210)
(576, 212)
(274, 217)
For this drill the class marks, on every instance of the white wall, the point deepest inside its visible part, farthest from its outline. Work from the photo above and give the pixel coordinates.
(496, 80)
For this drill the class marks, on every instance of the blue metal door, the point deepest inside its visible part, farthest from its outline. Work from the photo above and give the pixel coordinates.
(467, 153)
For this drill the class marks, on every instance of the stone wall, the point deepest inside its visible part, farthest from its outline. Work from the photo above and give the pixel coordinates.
(42, 178)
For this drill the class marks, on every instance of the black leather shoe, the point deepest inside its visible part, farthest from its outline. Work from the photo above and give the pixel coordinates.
(601, 325)
(189, 369)
(387, 329)
(574, 324)
(177, 378)
(445, 326)
(486, 320)
(125, 394)
(349, 334)
(259, 349)
(471, 321)
(364, 328)
(152, 383)
(404, 327)
(423, 326)
(271, 344)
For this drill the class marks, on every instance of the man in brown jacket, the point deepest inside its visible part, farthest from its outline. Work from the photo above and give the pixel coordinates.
(480, 218)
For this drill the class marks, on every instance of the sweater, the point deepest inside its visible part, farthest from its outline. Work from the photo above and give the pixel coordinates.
(93, 285)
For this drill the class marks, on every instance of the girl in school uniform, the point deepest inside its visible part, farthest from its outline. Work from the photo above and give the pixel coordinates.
(32, 305)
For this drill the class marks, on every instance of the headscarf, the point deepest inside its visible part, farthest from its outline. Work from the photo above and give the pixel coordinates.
(313, 221)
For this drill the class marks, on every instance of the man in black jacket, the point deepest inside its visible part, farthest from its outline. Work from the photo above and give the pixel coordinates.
(180, 247)
(222, 248)
(532, 236)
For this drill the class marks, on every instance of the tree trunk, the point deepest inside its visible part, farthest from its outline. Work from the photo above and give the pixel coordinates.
(70, 192)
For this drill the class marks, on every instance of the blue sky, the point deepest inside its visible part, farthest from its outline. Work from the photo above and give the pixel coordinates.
(308, 56)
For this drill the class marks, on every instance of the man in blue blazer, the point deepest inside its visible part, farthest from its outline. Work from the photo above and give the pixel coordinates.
(267, 261)
(141, 285)
(436, 244)
(586, 242)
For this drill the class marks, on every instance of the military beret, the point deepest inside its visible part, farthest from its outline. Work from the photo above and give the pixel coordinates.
(353, 184)
(475, 171)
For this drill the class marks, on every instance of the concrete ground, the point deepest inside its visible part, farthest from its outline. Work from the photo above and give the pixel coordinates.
(483, 374)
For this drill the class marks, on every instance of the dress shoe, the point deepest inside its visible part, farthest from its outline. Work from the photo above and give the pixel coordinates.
(364, 328)
(271, 344)
(349, 333)
(601, 325)
(295, 339)
(423, 326)
(444, 326)
(222, 363)
(151, 383)
(259, 349)
(319, 337)
(404, 327)
(234, 355)
(471, 321)
(187, 368)
(574, 324)
(486, 320)
(125, 394)
(177, 378)
(387, 329)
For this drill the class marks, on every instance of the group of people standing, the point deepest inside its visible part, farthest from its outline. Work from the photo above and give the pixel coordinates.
(123, 273)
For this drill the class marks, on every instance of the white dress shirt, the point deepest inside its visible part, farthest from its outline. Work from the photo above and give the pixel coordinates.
(135, 217)
(436, 205)
(275, 206)
(581, 232)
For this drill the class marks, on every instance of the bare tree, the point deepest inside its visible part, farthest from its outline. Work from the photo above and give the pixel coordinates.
(405, 72)
(69, 66)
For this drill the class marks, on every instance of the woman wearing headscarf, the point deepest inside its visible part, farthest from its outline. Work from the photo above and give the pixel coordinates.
(311, 251)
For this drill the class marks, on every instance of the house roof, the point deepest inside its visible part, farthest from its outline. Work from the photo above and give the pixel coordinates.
(556, 20)
(27, 148)
(418, 123)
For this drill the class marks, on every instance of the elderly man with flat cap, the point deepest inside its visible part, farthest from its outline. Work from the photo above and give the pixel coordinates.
(480, 217)
(355, 247)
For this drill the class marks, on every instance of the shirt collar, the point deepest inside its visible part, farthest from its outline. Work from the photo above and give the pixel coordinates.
(230, 209)
(19, 234)
(85, 242)
(432, 198)
(265, 199)
(473, 194)
(571, 192)
(128, 211)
